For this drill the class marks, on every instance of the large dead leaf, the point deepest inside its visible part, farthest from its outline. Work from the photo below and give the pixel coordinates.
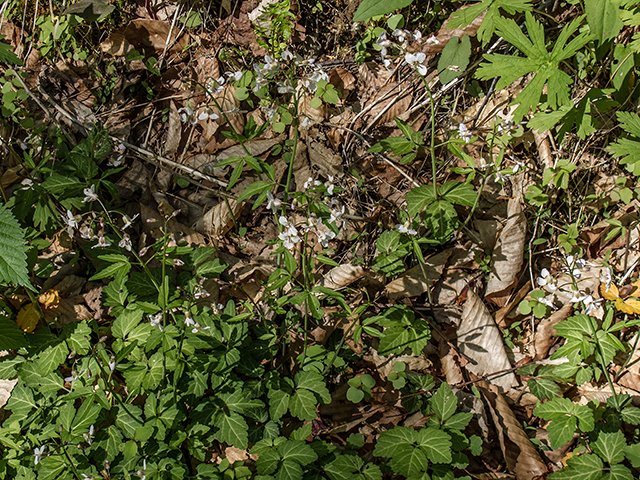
(412, 283)
(546, 334)
(219, 220)
(521, 456)
(480, 340)
(630, 377)
(508, 254)
(148, 36)
(6, 386)
(341, 276)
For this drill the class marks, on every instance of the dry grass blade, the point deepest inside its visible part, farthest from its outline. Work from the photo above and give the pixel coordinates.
(480, 339)
(521, 456)
(507, 257)
(413, 283)
(546, 334)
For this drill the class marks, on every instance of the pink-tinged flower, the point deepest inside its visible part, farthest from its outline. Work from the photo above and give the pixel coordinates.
(125, 243)
(91, 195)
(128, 221)
(102, 242)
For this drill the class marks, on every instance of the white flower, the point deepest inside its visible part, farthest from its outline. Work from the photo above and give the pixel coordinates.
(606, 277)
(274, 203)
(197, 328)
(271, 112)
(336, 214)
(112, 363)
(415, 60)
(74, 376)
(308, 183)
(128, 220)
(324, 234)
(199, 292)
(87, 233)
(285, 87)
(90, 193)
(102, 242)
(544, 277)
(215, 86)
(400, 34)
(187, 115)
(88, 437)
(125, 243)
(289, 235)
(432, 40)
(208, 113)
(188, 320)
(329, 184)
(417, 35)
(236, 76)
(286, 55)
(38, 451)
(71, 221)
(546, 301)
(405, 228)
(464, 133)
(155, 320)
(383, 41)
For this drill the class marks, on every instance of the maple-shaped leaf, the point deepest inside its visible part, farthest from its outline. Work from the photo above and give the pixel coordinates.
(538, 60)
(464, 17)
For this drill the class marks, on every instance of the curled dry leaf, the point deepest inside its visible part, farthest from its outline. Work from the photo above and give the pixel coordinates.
(507, 256)
(546, 334)
(219, 220)
(521, 456)
(412, 283)
(450, 364)
(480, 340)
(6, 386)
(341, 276)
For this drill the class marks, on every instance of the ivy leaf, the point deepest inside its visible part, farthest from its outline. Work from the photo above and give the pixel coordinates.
(464, 17)
(580, 467)
(538, 59)
(13, 262)
(232, 429)
(610, 446)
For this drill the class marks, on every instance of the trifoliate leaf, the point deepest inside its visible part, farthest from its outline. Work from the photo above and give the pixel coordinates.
(444, 402)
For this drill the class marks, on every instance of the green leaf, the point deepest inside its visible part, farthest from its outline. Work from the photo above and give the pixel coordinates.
(314, 382)
(392, 442)
(297, 451)
(538, 59)
(419, 198)
(126, 322)
(7, 56)
(289, 470)
(610, 446)
(628, 148)
(302, 404)
(604, 19)
(255, 188)
(52, 357)
(21, 402)
(459, 193)
(632, 452)
(454, 59)
(459, 421)
(444, 403)
(349, 466)
(436, 444)
(85, 417)
(13, 261)
(564, 416)
(11, 337)
(580, 467)
(618, 472)
(373, 8)
(631, 415)
(110, 440)
(544, 389)
(232, 429)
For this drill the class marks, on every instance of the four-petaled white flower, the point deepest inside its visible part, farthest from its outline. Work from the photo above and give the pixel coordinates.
(125, 242)
(235, 76)
(208, 113)
(88, 437)
(416, 60)
(216, 86)
(324, 234)
(187, 115)
(102, 242)
(406, 228)
(91, 195)
(38, 451)
(71, 221)
(199, 292)
(155, 320)
(128, 221)
(289, 235)
(274, 203)
(74, 376)
(464, 133)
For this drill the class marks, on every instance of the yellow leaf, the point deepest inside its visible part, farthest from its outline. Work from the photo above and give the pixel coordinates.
(28, 318)
(632, 305)
(50, 298)
(611, 293)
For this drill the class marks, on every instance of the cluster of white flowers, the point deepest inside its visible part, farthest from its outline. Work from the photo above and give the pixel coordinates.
(155, 320)
(406, 228)
(464, 133)
(401, 39)
(191, 323)
(289, 234)
(119, 152)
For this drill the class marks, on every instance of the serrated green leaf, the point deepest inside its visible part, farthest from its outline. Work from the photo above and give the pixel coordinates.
(314, 382)
(21, 402)
(232, 429)
(544, 389)
(436, 444)
(391, 442)
(7, 55)
(373, 8)
(11, 337)
(85, 417)
(110, 440)
(610, 446)
(459, 421)
(348, 467)
(618, 472)
(126, 322)
(459, 193)
(564, 416)
(580, 467)
(51, 358)
(78, 337)
(289, 470)
(13, 261)
(419, 198)
(302, 404)
(631, 415)
(444, 403)
(297, 451)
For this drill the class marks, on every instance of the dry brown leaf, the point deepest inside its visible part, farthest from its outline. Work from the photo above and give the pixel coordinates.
(508, 255)
(69, 310)
(450, 365)
(343, 80)
(544, 149)
(546, 334)
(480, 340)
(341, 276)
(327, 162)
(503, 314)
(152, 224)
(412, 283)
(630, 377)
(219, 220)
(521, 456)
(6, 386)
(174, 131)
(234, 454)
